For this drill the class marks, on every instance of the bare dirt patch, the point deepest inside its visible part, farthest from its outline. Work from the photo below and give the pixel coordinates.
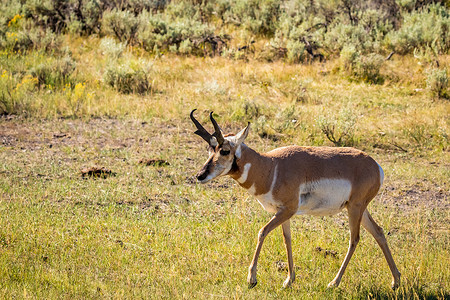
(406, 198)
(51, 142)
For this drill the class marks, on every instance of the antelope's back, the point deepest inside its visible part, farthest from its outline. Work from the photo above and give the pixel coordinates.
(306, 165)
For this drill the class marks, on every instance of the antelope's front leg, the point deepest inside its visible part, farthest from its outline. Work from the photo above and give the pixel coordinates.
(279, 218)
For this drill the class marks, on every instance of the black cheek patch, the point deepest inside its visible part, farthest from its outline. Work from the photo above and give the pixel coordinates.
(234, 166)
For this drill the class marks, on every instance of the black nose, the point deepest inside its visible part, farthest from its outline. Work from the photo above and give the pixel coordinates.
(201, 176)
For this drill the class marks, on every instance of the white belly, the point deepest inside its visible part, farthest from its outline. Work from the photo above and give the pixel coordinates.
(267, 202)
(324, 197)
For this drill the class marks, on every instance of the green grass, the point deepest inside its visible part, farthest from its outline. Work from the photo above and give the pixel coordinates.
(152, 232)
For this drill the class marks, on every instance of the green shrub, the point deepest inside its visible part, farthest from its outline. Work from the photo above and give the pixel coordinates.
(428, 27)
(251, 110)
(123, 24)
(186, 47)
(9, 12)
(128, 79)
(51, 14)
(111, 48)
(361, 67)
(344, 35)
(287, 118)
(158, 33)
(134, 6)
(314, 30)
(367, 68)
(16, 41)
(11, 37)
(85, 16)
(366, 32)
(21, 36)
(298, 30)
(298, 33)
(437, 83)
(56, 73)
(348, 57)
(258, 17)
(296, 51)
(45, 40)
(200, 11)
(247, 110)
(340, 128)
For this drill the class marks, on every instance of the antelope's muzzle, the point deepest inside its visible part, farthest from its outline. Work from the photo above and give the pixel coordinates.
(204, 172)
(202, 175)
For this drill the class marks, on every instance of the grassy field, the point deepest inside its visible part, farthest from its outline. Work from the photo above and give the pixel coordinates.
(153, 232)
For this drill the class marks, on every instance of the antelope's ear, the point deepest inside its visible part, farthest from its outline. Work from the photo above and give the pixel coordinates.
(242, 135)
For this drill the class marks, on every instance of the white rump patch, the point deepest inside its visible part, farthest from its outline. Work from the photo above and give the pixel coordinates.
(244, 174)
(381, 174)
(324, 197)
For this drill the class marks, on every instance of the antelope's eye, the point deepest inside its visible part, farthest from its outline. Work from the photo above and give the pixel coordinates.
(224, 152)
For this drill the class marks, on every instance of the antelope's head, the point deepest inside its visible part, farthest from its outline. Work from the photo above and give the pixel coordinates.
(223, 151)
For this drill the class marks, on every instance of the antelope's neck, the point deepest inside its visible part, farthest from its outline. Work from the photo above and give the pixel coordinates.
(253, 171)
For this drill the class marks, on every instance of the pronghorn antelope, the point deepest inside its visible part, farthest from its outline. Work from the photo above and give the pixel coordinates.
(299, 180)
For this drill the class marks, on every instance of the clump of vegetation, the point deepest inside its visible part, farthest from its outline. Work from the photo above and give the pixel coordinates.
(55, 73)
(340, 128)
(437, 83)
(78, 99)
(298, 31)
(122, 24)
(20, 35)
(426, 27)
(81, 17)
(112, 49)
(16, 93)
(185, 36)
(258, 17)
(362, 67)
(367, 68)
(128, 78)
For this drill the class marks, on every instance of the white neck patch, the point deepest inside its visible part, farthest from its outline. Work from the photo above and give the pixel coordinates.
(238, 152)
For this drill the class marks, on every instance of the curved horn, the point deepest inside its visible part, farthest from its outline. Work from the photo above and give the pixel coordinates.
(218, 133)
(201, 131)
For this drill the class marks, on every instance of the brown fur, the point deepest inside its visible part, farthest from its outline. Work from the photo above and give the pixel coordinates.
(295, 166)
(307, 164)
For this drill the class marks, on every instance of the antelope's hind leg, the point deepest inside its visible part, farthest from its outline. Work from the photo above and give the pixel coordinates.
(377, 232)
(354, 220)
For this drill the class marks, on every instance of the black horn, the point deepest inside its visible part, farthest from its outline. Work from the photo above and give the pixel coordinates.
(218, 133)
(201, 131)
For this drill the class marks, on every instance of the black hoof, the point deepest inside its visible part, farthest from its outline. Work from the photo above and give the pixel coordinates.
(252, 285)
